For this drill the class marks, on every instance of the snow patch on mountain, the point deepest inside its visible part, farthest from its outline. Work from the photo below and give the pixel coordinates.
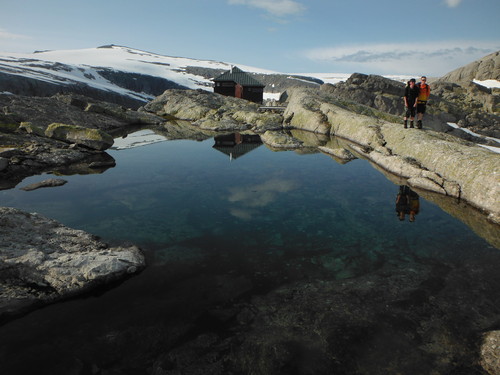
(488, 83)
(87, 66)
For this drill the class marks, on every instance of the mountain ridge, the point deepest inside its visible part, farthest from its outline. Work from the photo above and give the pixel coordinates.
(133, 75)
(126, 73)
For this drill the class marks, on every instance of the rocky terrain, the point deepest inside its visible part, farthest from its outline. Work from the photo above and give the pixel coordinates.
(428, 160)
(468, 104)
(483, 69)
(42, 261)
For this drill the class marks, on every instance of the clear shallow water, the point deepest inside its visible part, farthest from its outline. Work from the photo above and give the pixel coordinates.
(218, 233)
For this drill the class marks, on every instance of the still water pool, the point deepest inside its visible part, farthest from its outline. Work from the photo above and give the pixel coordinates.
(259, 262)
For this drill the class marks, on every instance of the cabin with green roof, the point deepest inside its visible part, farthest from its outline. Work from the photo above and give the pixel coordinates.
(235, 82)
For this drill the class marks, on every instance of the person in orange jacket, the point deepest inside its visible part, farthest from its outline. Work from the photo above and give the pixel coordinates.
(424, 91)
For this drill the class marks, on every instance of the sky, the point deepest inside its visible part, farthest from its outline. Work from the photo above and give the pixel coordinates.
(426, 37)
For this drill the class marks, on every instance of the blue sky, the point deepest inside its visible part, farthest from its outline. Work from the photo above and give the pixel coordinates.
(428, 37)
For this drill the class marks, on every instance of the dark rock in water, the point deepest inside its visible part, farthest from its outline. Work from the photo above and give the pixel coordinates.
(23, 155)
(101, 164)
(3, 163)
(27, 149)
(51, 182)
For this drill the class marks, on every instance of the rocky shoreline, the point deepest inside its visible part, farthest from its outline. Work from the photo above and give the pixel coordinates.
(42, 261)
(428, 160)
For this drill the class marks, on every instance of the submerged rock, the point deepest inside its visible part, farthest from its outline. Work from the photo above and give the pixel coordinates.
(42, 261)
(51, 182)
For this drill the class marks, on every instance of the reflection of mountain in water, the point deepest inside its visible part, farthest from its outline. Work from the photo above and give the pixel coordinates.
(236, 145)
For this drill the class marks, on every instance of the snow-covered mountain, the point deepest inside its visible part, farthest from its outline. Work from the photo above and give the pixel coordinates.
(128, 76)
(117, 70)
(132, 77)
(120, 70)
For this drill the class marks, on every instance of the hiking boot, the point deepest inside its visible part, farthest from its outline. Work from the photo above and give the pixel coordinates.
(419, 124)
(405, 124)
(411, 124)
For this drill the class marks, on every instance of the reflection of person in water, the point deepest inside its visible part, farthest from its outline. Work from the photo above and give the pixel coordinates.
(407, 203)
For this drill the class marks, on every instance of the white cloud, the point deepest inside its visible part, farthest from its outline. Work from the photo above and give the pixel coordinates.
(10, 42)
(249, 199)
(5, 35)
(453, 3)
(280, 8)
(432, 58)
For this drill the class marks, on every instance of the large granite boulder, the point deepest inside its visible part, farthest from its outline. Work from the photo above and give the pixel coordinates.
(371, 90)
(483, 69)
(428, 160)
(42, 261)
(212, 111)
(91, 138)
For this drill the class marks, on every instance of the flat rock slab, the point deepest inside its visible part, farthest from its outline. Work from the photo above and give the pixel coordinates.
(42, 261)
(51, 182)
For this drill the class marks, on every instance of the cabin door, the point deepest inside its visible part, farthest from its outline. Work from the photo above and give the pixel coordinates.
(238, 91)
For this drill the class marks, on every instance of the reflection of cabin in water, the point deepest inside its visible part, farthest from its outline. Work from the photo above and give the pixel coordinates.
(237, 83)
(236, 145)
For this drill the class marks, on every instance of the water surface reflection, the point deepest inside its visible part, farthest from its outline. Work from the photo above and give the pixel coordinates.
(275, 263)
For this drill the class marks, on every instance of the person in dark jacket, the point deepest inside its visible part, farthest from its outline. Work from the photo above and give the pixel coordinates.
(410, 98)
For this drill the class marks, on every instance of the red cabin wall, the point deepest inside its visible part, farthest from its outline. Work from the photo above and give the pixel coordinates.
(254, 94)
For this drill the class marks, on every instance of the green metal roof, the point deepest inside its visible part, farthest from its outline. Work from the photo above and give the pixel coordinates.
(239, 76)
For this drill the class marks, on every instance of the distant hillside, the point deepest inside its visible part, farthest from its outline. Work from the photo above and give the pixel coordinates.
(484, 69)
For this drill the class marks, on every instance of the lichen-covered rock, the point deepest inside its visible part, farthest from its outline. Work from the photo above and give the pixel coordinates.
(428, 160)
(91, 138)
(42, 260)
(70, 109)
(303, 112)
(212, 111)
(29, 128)
(280, 141)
